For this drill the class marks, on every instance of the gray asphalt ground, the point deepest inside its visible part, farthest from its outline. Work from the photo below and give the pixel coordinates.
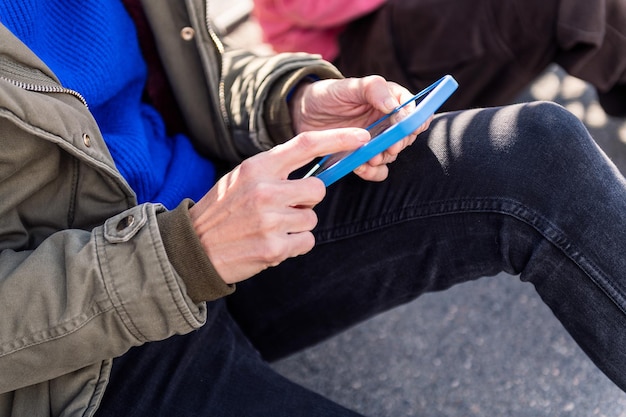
(482, 349)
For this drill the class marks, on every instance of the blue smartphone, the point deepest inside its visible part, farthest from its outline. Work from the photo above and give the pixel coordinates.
(384, 134)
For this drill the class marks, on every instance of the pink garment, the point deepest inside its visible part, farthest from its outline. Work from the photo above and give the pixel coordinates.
(308, 25)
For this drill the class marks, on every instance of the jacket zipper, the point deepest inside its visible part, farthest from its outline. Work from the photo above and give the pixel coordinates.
(220, 49)
(38, 88)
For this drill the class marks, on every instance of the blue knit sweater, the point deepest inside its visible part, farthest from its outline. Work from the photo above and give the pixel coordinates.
(92, 47)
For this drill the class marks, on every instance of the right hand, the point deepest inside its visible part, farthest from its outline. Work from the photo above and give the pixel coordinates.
(353, 102)
(254, 217)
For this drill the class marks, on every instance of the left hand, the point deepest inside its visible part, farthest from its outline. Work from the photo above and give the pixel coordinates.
(353, 102)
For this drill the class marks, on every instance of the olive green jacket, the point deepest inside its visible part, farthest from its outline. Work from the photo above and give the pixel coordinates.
(85, 272)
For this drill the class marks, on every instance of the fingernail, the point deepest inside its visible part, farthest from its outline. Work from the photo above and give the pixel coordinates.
(359, 169)
(363, 135)
(390, 103)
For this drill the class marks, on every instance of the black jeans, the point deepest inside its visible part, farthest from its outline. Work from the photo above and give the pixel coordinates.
(522, 189)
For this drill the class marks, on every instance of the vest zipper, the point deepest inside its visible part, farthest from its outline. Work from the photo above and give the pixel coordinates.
(38, 88)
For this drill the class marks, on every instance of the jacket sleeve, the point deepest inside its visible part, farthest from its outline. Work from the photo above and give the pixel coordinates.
(84, 274)
(222, 93)
(81, 297)
(256, 95)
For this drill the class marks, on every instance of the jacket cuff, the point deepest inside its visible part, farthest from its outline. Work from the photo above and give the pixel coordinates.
(277, 116)
(187, 255)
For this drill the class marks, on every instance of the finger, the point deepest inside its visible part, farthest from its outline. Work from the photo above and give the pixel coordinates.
(298, 220)
(300, 243)
(382, 158)
(383, 95)
(285, 196)
(372, 173)
(304, 193)
(285, 246)
(399, 146)
(305, 147)
(403, 95)
(290, 244)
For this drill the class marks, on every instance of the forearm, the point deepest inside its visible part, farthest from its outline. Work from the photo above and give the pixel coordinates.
(223, 94)
(284, 102)
(257, 99)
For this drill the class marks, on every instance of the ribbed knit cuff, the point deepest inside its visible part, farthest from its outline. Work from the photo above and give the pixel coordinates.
(188, 257)
(277, 116)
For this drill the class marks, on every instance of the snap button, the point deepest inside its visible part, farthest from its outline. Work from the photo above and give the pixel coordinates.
(124, 223)
(124, 226)
(86, 140)
(187, 33)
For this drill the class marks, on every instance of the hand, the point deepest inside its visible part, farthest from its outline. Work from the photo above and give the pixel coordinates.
(353, 102)
(254, 217)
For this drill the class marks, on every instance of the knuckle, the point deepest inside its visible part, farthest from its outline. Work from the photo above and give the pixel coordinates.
(374, 79)
(247, 167)
(317, 189)
(262, 193)
(310, 219)
(274, 252)
(306, 140)
(267, 223)
(308, 242)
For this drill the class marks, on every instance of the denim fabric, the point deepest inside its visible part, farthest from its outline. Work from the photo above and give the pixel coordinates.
(212, 372)
(522, 189)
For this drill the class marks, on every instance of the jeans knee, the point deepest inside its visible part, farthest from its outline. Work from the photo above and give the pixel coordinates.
(511, 143)
(548, 126)
(530, 146)
(553, 120)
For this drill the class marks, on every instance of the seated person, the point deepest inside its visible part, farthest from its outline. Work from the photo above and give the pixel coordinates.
(494, 48)
(152, 261)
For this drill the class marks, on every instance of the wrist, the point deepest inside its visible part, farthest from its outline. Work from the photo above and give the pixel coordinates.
(278, 111)
(188, 257)
(295, 103)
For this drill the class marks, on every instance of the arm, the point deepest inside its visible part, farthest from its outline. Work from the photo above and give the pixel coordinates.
(84, 275)
(82, 297)
(255, 217)
(256, 95)
(223, 93)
